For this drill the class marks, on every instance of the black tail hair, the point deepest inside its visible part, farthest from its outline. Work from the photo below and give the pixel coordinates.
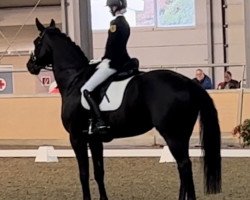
(211, 143)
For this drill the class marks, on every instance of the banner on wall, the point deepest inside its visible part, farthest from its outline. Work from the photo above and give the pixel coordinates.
(6, 79)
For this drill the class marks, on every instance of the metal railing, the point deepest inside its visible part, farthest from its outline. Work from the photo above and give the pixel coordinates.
(195, 66)
(210, 66)
(19, 74)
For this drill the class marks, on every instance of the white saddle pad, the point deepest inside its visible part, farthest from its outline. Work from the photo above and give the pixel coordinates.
(113, 98)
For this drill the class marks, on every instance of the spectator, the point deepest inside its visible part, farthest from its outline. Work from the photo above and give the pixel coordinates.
(202, 79)
(228, 83)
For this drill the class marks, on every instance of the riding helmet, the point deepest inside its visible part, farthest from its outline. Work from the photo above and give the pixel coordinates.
(120, 4)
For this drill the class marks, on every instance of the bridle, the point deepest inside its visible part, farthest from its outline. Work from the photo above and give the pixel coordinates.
(34, 59)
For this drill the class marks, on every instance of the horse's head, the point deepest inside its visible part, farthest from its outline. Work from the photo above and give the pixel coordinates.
(42, 56)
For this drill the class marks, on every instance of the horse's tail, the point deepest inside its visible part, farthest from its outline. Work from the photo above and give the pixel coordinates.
(211, 143)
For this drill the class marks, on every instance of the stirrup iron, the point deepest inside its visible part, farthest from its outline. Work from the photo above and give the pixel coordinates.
(90, 128)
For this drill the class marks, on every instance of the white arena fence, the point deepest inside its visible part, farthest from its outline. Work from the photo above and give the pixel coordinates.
(49, 154)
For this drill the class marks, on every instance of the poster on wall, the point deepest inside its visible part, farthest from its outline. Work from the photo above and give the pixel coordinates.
(175, 13)
(6, 79)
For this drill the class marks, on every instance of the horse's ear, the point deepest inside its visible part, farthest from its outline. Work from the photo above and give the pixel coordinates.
(52, 23)
(39, 26)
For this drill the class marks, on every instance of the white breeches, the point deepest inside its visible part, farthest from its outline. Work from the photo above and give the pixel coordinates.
(103, 72)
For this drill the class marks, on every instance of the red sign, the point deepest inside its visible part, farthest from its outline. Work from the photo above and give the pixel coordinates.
(2, 84)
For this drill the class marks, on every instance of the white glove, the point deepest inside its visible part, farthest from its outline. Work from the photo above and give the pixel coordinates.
(94, 61)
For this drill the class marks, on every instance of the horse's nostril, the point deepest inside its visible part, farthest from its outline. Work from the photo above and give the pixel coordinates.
(33, 68)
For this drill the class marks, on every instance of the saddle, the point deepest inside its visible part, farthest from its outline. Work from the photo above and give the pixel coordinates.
(130, 69)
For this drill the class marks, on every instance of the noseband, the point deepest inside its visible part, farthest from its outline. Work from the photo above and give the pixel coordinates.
(34, 68)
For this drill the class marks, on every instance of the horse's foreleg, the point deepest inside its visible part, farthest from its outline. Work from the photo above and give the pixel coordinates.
(96, 149)
(81, 152)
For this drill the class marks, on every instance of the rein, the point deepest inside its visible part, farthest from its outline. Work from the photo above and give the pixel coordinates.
(34, 59)
(48, 67)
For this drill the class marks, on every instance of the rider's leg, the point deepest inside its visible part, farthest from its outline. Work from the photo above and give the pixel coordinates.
(98, 77)
(101, 74)
(100, 124)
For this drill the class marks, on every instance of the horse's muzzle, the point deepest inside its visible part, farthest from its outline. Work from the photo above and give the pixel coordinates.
(32, 67)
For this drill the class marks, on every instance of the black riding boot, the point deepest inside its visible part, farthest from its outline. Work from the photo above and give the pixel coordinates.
(100, 126)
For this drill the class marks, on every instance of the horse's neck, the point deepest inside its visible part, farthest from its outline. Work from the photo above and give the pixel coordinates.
(69, 66)
(66, 75)
(70, 79)
(65, 78)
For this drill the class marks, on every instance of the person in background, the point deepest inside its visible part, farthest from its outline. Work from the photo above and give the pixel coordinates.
(228, 83)
(202, 79)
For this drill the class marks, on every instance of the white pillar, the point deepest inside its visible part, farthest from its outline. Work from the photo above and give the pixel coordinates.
(247, 40)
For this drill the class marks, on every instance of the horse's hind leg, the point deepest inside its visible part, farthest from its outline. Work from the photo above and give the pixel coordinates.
(96, 149)
(179, 149)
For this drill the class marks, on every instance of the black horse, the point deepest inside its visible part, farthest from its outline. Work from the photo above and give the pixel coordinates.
(163, 99)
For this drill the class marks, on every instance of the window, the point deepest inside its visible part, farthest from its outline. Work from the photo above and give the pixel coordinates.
(143, 13)
(139, 13)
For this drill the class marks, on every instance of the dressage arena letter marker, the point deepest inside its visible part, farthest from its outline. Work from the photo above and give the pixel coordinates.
(46, 154)
(46, 80)
(166, 155)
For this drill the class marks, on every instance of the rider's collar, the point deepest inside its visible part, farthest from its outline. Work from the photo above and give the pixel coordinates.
(120, 12)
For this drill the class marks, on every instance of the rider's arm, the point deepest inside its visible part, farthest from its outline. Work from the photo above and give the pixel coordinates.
(117, 40)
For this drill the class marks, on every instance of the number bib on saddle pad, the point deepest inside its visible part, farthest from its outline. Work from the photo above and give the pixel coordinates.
(113, 98)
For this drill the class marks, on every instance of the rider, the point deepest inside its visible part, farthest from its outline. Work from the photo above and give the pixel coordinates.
(115, 57)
